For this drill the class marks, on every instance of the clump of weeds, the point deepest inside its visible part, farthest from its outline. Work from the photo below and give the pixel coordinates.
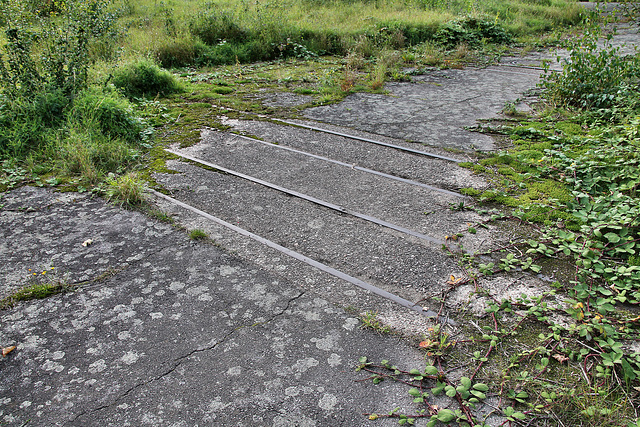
(41, 284)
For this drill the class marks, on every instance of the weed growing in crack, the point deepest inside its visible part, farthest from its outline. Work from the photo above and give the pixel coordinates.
(40, 284)
(198, 234)
(370, 320)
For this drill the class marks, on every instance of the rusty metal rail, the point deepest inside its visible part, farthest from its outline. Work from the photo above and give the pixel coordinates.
(352, 166)
(371, 141)
(311, 199)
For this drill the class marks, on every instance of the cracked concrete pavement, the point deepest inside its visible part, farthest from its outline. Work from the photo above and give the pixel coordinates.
(184, 334)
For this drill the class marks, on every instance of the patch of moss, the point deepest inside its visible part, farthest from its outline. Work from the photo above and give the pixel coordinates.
(468, 191)
(569, 128)
(546, 190)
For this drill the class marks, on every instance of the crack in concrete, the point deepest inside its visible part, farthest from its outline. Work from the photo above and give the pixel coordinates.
(178, 361)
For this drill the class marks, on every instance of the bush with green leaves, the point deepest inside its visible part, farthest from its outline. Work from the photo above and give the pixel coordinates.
(471, 31)
(51, 53)
(44, 69)
(593, 76)
(144, 78)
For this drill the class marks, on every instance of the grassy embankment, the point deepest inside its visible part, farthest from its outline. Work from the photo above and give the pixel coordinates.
(78, 107)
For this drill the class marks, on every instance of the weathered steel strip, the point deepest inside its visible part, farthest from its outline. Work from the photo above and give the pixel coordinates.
(311, 199)
(320, 266)
(352, 166)
(371, 141)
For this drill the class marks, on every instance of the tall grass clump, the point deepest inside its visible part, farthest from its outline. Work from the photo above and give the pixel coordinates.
(127, 190)
(144, 78)
(49, 111)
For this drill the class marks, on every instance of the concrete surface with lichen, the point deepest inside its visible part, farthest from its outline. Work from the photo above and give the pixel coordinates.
(182, 333)
(165, 331)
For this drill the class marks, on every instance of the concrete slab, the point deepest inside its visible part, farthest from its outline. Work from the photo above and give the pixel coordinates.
(434, 108)
(186, 334)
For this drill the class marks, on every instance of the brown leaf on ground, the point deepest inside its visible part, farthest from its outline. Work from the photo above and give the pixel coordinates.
(7, 350)
(453, 280)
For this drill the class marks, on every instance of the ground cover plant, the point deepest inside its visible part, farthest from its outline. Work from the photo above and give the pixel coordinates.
(568, 355)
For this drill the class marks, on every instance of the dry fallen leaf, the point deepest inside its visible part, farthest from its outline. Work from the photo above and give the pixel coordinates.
(7, 350)
(87, 242)
(452, 280)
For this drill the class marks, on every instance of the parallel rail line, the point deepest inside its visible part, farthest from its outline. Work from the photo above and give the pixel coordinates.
(311, 199)
(298, 256)
(352, 166)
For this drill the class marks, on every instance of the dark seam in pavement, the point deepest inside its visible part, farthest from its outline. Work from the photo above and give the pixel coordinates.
(352, 166)
(178, 361)
(312, 199)
(320, 266)
(371, 141)
(469, 99)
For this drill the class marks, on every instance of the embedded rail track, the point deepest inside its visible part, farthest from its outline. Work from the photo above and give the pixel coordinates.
(320, 197)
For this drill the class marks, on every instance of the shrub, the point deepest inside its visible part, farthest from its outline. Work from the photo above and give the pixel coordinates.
(213, 27)
(471, 31)
(593, 77)
(109, 113)
(61, 42)
(144, 78)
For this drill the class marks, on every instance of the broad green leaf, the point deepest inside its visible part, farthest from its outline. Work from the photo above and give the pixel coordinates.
(446, 415)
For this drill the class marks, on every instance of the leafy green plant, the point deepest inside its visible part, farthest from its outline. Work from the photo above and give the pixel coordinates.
(471, 31)
(370, 320)
(63, 39)
(592, 77)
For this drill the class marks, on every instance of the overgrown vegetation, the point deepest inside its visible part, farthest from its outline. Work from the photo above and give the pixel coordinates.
(568, 355)
(81, 92)
(77, 78)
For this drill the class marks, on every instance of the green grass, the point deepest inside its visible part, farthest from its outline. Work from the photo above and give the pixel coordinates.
(127, 190)
(230, 31)
(35, 291)
(197, 234)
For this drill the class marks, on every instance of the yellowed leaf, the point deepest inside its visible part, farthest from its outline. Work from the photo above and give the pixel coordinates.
(453, 280)
(7, 350)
